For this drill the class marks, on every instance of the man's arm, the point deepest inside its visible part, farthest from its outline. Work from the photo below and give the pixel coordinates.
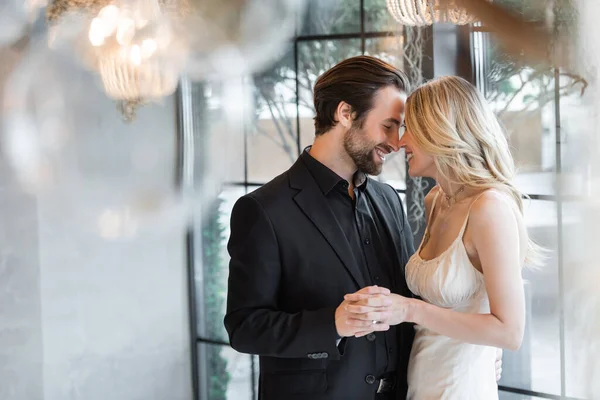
(404, 224)
(253, 319)
(408, 235)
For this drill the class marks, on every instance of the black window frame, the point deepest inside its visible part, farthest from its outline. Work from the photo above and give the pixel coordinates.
(187, 132)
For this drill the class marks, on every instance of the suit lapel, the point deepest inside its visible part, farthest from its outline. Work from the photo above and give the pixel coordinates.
(384, 210)
(314, 204)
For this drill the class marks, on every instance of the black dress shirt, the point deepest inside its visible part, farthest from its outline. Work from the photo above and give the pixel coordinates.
(370, 243)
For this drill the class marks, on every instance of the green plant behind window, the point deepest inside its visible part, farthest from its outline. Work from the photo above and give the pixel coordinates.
(215, 289)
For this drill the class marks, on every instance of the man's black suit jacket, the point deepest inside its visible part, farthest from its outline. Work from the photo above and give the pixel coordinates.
(290, 267)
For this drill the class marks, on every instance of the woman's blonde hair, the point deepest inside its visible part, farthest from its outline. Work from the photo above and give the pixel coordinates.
(450, 119)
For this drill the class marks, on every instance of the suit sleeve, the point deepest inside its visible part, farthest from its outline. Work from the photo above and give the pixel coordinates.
(254, 322)
(404, 224)
(408, 247)
(408, 235)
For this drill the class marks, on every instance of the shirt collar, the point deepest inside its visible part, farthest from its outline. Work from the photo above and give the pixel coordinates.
(326, 178)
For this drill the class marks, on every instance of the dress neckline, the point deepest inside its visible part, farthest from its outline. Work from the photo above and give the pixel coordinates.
(458, 238)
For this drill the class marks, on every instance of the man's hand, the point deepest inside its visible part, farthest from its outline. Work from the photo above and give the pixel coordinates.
(351, 319)
(498, 364)
(397, 306)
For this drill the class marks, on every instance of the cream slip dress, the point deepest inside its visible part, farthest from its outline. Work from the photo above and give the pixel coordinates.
(441, 367)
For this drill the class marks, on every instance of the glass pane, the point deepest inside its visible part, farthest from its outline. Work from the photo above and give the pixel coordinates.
(225, 374)
(210, 120)
(575, 133)
(272, 137)
(378, 18)
(394, 170)
(327, 17)
(390, 49)
(513, 396)
(532, 10)
(580, 268)
(575, 116)
(211, 280)
(256, 375)
(536, 366)
(523, 99)
(314, 58)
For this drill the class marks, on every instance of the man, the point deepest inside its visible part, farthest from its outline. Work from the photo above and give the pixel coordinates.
(321, 230)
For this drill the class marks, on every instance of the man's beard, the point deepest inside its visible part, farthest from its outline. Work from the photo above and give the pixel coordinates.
(360, 150)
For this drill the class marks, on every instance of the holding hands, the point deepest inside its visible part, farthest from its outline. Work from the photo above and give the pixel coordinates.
(372, 308)
(375, 308)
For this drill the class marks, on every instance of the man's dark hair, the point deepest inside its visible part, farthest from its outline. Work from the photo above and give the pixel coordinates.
(355, 81)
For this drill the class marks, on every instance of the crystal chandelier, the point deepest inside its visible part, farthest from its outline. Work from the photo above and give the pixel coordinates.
(426, 12)
(128, 44)
(132, 46)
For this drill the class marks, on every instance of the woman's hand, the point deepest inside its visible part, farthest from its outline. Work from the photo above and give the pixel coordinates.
(389, 309)
(351, 318)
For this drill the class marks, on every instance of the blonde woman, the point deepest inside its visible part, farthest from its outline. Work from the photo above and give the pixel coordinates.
(467, 270)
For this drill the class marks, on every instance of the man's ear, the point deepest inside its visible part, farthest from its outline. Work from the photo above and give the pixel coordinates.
(344, 114)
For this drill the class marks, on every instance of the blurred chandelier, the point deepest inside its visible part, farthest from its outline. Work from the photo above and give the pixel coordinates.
(132, 46)
(426, 12)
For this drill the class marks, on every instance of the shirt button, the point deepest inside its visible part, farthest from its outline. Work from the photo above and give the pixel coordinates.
(376, 278)
(370, 379)
(367, 241)
(390, 351)
(371, 337)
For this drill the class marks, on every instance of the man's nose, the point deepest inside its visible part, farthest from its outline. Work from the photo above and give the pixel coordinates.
(394, 143)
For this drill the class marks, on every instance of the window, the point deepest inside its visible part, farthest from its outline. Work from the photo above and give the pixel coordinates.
(538, 108)
(274, 134)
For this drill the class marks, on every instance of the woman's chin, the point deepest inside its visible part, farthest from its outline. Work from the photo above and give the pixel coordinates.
(413, 173)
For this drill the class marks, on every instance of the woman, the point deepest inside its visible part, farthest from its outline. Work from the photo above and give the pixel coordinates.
(467, 270)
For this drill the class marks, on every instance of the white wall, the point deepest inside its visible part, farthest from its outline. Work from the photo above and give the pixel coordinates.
(81, 317)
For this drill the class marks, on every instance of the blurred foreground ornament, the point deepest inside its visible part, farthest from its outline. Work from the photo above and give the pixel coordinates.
(141, 48)
(131, 44)
(532, 43)
(536, 44)
(16, 16)
(427, 12)
(65, 143)
(584, 296)
(229, 38)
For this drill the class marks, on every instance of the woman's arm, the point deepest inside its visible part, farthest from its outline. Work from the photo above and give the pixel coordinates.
(495, 232)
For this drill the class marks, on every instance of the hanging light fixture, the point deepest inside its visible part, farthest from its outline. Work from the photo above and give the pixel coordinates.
(426, 12)
(131, 45)
(134, 50)
(140, 48)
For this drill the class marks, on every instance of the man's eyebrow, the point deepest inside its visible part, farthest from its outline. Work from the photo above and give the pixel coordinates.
(392, 120)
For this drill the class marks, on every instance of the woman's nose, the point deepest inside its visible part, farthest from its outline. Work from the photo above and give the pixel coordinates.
(402, 141)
